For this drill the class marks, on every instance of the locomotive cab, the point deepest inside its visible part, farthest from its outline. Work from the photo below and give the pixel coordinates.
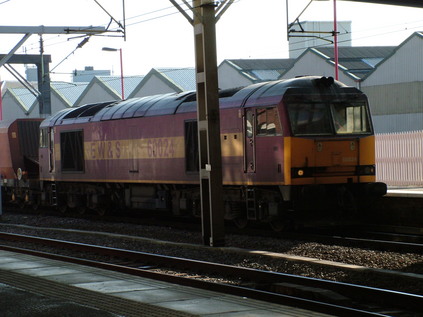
(331, 145)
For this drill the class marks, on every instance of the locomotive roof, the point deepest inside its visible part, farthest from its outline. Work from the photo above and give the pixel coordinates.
(263, 94)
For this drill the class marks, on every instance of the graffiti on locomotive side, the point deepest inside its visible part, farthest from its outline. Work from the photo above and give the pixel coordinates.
(154, 148)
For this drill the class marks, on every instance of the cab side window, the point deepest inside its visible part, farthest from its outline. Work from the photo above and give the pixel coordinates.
(249, 122)
(44, 138)
(268, 122)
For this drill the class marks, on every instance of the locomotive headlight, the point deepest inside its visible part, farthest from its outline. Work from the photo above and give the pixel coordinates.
(366, 170)
(369, 170)
(301, 172)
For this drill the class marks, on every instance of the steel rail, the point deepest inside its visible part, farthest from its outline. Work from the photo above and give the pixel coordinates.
(366, 237)
(385, 244)
(367, 242)
(355, 292)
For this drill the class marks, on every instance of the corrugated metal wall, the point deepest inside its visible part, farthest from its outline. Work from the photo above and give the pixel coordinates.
(398, 122)
(395, 98)
(399, 158)
(404, 66)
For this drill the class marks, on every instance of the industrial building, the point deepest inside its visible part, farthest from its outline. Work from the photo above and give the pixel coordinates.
(391, 76)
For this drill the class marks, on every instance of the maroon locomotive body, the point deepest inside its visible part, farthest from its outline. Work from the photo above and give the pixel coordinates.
(153, 145)
(144, 152)
(284, 144)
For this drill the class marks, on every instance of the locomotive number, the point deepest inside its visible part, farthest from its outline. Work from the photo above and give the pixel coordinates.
(160, 148)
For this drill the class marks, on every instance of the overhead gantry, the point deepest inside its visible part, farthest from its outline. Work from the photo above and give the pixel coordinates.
(41, 61)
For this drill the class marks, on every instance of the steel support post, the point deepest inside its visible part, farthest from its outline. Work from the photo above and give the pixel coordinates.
(208, 123)
(43, 74)
(1, 198)
(44, 100)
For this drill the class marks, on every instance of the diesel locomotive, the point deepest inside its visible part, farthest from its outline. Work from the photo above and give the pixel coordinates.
(287, 146)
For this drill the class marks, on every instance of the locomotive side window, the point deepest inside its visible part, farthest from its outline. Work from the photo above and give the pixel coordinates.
(261, 122)
(274, 126)
(43, 137)
(249, 124)
(268, 122)
(191, 147)
(72, 151)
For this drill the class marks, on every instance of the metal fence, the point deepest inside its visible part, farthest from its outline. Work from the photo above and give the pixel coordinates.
(399, 158)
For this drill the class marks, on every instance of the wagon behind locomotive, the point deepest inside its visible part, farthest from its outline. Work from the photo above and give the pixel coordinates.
(19, 140)
(281, 149)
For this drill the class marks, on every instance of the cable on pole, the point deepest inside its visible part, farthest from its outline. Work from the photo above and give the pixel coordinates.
(80, 45)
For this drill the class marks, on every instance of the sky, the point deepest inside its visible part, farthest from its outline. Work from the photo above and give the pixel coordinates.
(157, 35)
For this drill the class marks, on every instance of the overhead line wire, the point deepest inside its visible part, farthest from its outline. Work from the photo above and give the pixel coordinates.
(172, 13)
(114, 29)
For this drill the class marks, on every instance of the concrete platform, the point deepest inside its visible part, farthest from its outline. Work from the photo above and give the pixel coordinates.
(35, 287)
(409, 192)
(18, 303)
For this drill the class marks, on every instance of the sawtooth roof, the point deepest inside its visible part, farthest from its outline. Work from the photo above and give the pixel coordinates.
(184, 78)
(69, 91)
(261, 69)
(115, 83)
(358, 60)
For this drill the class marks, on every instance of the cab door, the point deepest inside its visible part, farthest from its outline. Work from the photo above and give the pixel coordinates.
(51, 150)
(249, 142)
(133, 162)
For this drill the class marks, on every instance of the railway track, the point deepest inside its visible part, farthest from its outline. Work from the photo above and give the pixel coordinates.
(341, 299)
(379, 237)
(385, 238)
(306, 253)
(374, 238)
(397, 233)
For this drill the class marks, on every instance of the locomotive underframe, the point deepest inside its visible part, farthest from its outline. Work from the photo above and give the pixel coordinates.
(280, 206)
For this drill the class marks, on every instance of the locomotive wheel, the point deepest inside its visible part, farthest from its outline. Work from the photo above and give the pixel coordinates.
(21, 204)
(35, 205)
(241, 222)
(62, 209)
(346, 201)
(81, 210)
(283, 224)
(277, 225)
(102, 210)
